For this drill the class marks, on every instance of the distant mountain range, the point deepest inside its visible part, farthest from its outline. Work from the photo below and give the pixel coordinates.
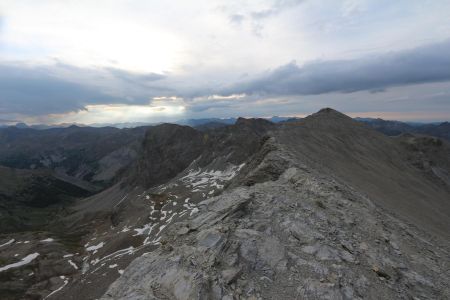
(393, 128)
(187, 122)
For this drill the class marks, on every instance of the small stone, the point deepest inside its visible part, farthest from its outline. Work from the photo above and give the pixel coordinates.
(309, 249)
(183, 231)
(383, 275)
(230, 275)
(363, 246)
(347, 246)
(210, 240)
(394, 245)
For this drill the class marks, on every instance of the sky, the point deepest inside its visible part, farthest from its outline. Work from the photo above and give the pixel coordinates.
(114, 61)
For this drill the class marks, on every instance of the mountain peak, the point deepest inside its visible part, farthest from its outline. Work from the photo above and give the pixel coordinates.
(327, 111)
(257, 125)
(327, 116)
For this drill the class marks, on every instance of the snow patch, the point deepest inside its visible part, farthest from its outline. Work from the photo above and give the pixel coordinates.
(199, 180)
(48, 240)
(26, 260)
(95, 248)
(194, 211)
(7, 243)
(73, 264)
(66, 281)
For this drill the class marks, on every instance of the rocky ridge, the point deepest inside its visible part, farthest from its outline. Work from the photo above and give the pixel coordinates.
(294, 233)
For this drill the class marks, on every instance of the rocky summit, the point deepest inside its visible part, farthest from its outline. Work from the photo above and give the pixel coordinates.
(323, 207)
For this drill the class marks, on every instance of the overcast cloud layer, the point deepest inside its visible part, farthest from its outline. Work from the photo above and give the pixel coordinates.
(150, 61)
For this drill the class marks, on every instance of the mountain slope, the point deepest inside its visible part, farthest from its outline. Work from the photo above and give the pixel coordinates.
(29, 197)
(372, 163)
(93, 155)
(393, 128)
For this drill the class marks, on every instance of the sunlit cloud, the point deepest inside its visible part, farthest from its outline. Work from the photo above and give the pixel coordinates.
(115, 114)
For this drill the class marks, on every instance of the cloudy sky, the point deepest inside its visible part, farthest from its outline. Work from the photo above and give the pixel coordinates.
(147, 61)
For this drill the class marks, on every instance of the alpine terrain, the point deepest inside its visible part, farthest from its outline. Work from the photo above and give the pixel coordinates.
(324, 207)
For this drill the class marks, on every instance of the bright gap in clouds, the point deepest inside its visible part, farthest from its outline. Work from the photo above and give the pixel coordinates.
(88, 33)
(116, 114)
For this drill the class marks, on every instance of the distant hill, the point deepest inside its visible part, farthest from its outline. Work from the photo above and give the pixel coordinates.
(28, 198)
(91, 155)
(393, 128)
(187, 122)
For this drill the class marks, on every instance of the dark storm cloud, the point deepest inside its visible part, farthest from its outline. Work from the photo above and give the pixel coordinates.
(420, 65)
(31, 92)
(63, 88)
(2, 121)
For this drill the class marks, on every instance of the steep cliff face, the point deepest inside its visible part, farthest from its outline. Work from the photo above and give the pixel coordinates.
(169, 149)
(166, 150)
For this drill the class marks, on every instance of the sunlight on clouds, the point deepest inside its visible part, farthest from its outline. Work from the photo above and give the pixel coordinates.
(86, 35)
(220, 97)
(119, 114)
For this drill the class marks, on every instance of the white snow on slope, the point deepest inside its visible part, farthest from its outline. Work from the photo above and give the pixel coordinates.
(7, 243)
(48, 240)
(66, 281)
(198, 179)
(72, 264)
(26, 260)
(95, 248)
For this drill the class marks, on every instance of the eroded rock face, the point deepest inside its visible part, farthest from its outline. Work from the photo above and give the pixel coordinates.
(301, 236)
